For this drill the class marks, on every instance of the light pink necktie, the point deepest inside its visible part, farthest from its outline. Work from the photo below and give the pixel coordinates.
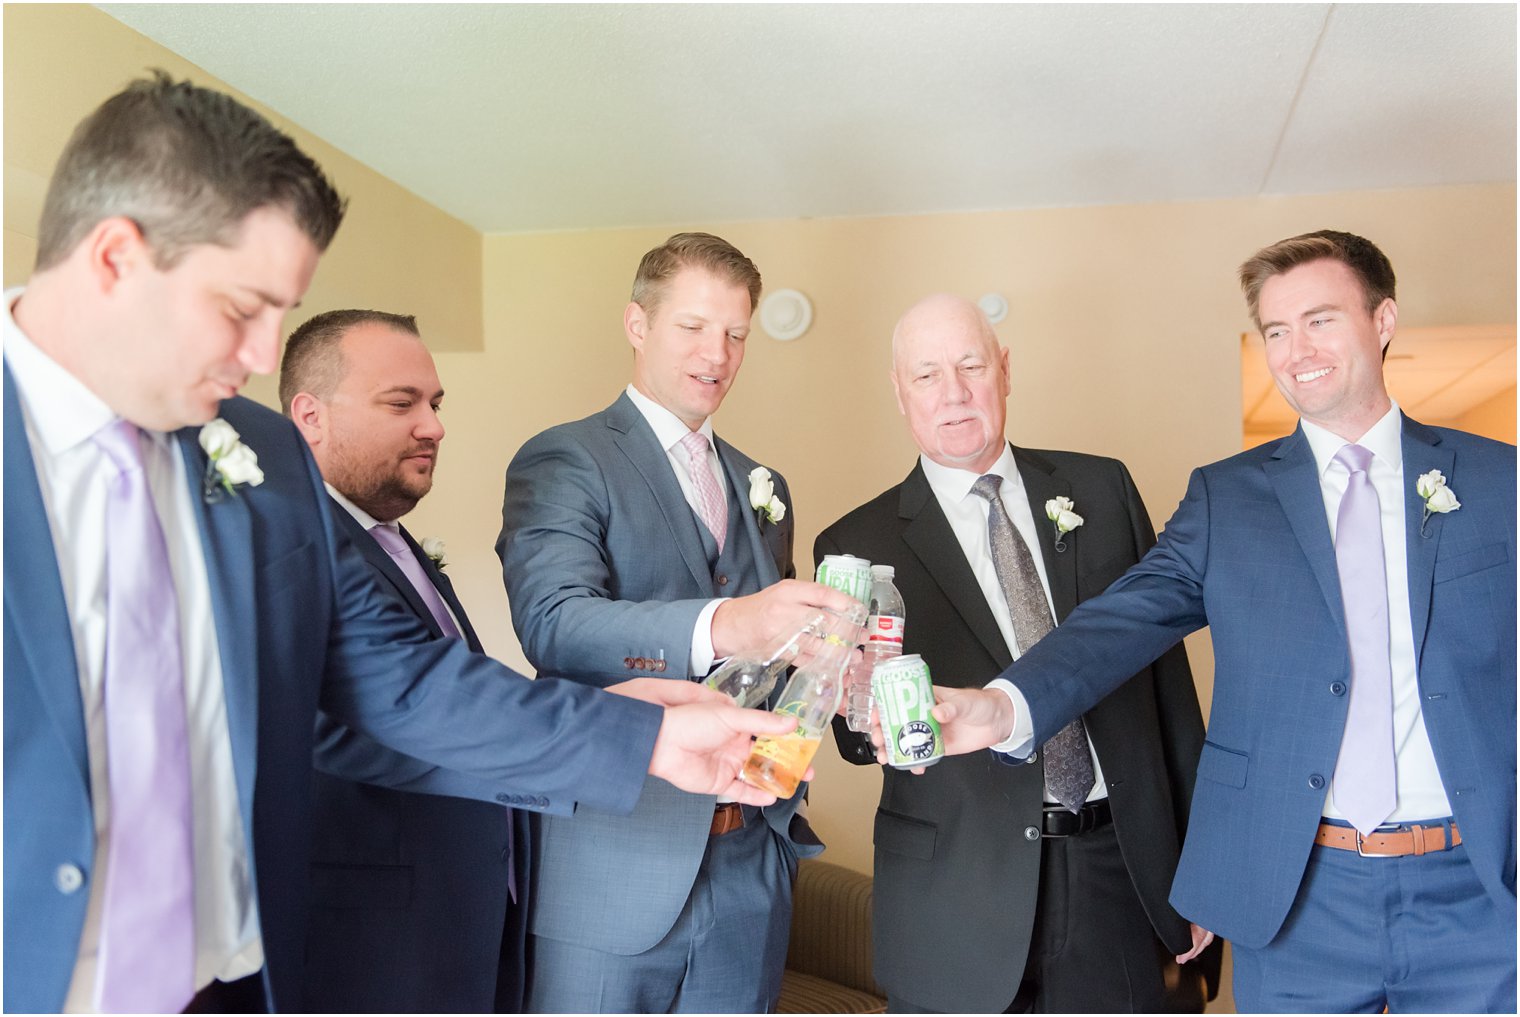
(1365, 772)
(714, 512)
(147, 928)
(400, 551)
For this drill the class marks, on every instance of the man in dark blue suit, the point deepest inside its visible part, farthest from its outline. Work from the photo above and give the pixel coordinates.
(416, 898)
(1353, 824)
(180, 603)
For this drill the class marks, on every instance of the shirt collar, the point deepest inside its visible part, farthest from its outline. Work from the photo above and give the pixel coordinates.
(62, 411)
(668, 428)
(953, 484)
(1385, 440)
(361, 517)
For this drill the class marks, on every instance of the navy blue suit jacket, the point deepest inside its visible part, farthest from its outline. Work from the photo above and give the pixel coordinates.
(411, 910)
(301, 625)
(1248, 553)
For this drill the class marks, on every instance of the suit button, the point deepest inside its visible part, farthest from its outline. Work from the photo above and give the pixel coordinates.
(1337, 688)
(1316, 781)
(542, 802)
(722, 580)
(506, 853)
(68, 878)
(628, 663)
(1031, 833)
(659, 665)
(1034, 757)
(503, 799)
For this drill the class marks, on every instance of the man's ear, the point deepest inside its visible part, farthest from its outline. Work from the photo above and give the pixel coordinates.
(114, 251)
(897, 391)
(635, 321)
(310, 416)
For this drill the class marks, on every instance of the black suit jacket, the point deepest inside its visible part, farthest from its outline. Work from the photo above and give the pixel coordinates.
(410, 903)
(957, 855)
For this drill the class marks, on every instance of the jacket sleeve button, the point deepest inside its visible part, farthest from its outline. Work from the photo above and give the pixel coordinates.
(1031, 833)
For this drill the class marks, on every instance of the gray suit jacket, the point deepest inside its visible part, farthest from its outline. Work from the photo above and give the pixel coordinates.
(606, 575)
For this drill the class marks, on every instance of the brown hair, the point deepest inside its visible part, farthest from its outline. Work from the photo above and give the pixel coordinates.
(187, 165)
(1359, 254)
(698, 250)
(313, 360)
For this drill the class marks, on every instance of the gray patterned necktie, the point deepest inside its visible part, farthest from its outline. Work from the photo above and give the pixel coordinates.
(1068, 764)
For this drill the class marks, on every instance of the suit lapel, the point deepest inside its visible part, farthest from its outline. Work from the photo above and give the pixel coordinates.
(1040, 485)
(381, 561)
(738, 466)
(928, 535)
(445, 590)
(649, 460)
(1294, 477)
(1423, 452)
(227, 545)
(35, 608)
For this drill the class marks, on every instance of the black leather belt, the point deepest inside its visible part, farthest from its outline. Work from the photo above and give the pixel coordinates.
(1061, 823)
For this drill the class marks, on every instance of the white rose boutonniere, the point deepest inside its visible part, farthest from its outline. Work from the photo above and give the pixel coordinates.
(434, 549)
(1438, 497)
(231, 463)
(762, 496)
(1059, 511)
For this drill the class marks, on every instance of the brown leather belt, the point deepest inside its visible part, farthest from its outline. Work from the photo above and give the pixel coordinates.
(1406, 840)
(1059, 822)
(727, 817)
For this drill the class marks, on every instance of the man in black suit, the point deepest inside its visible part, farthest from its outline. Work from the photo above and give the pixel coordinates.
(416, 898)
(991, 894)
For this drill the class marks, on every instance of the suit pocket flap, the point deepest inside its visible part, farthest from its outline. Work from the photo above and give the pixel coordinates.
(1477, 560)
(901, 835)
(1223, 766)
(361, 886)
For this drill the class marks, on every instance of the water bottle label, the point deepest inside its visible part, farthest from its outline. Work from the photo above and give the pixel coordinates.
(885, 628)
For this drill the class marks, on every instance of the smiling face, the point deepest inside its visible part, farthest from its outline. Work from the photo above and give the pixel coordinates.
(687, 351)
(380, 428)
(951, 380)
(188, 337)
(1324, 348)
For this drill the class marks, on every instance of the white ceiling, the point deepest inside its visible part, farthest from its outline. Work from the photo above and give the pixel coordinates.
(1435, 374)
(544, 117)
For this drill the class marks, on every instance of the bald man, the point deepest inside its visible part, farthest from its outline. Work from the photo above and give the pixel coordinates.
(1036, 887)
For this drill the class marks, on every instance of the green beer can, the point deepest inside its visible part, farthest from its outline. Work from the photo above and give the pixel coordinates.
(847, 573)
(905, 696)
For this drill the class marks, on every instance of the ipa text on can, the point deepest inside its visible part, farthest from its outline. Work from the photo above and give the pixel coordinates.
(847, 573)
(905, 698)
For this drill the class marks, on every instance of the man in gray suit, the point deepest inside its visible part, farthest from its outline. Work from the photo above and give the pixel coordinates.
(630, 545)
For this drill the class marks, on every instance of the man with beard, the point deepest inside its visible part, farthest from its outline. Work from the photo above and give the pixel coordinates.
(364, 392)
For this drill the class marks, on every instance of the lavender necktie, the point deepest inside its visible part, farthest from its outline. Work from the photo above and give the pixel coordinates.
(1364, 772)
(1068, 763)
(396, 546)
(147, 940)
(714, 513)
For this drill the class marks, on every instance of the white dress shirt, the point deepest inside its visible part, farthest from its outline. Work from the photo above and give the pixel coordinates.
(61, 417)
(1421, 793)
(369, 522)
(968, 513)
(668, 431)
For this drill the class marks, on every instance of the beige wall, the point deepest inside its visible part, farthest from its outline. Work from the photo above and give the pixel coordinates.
(1493, 418)
(1124, 327)
(394, 250)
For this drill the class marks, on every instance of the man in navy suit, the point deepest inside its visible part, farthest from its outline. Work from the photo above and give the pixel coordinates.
(179, 601)
(1353, 824)
(416, 898)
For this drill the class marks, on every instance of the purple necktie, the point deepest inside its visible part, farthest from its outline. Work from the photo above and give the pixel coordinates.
(396, 546)
(1364, 772)
(147, 938)
(714, 514)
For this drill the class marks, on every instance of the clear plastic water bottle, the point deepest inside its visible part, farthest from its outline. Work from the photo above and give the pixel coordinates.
(884, 640)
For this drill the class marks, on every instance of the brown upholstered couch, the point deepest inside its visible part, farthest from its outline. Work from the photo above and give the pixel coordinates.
(828, 964)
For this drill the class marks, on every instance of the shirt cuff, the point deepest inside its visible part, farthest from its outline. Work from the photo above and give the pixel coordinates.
(701, 641)
(1021, 742)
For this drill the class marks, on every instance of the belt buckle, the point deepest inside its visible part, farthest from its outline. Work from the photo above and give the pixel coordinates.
(1359, 852)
